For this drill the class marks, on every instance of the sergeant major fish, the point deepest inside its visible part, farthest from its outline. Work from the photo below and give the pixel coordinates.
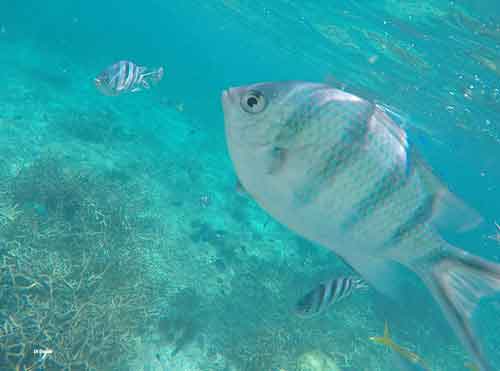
(327, 293)
(336, 169)
(125, 76)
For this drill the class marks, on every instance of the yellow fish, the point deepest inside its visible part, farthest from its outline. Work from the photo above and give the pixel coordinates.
(405, 353)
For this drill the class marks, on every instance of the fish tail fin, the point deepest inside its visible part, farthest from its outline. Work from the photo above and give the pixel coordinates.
(153, 75)
(158, 75)
(361, 284)
(458, 281)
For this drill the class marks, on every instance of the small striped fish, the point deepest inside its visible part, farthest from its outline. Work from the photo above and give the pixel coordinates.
(338, 170)
(125, 76)
(327, 293)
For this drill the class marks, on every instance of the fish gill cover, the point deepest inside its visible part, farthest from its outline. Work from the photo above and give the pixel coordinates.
(124, 243)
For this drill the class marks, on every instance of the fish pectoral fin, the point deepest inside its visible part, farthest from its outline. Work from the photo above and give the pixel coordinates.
(458, 281)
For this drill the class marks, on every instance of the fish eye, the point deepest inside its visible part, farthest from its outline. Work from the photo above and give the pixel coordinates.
(253, 102)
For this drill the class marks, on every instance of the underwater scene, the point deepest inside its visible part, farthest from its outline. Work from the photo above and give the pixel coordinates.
(250, 185)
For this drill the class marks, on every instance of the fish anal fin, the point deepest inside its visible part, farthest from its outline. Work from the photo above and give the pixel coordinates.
(159, 74)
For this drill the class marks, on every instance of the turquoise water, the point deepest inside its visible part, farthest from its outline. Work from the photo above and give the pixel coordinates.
(125, 245)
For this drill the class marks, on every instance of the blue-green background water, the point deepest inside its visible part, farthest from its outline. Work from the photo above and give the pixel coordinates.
(437, 62)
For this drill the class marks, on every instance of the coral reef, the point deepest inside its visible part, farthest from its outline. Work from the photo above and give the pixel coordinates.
(316, 361)
(180, 326)
(71, 271)
(93, 127)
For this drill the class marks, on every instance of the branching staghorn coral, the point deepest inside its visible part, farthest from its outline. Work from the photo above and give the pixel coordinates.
(67, 307)
(71, 275)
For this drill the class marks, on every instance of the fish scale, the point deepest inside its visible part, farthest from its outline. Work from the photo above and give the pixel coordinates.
(338, 156)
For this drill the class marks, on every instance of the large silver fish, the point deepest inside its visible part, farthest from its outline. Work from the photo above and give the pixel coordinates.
(336, 169)
(126, 76)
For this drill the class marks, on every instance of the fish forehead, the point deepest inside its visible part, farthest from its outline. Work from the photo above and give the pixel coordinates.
(275, 89)
(288, 93)
(291, 107)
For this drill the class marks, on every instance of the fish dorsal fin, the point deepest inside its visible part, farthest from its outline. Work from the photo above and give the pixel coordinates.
(384, 340)
(449, 212)
(386, 331)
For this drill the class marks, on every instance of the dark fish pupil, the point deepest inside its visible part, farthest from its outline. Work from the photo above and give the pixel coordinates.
(252, 101)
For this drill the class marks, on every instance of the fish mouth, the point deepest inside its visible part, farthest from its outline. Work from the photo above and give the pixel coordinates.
(226, 95)
(227, 99)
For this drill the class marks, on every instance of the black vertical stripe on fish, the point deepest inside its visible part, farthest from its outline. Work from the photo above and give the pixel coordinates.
(337, 158)
(420, 217)
(349, 288)
(302, 117)
(336, 290)
(329, 295)
(277, 159)
(343, 289)
(131, 76)
(320, 297)
(127, 69)
(393, 181)
(122, 73)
